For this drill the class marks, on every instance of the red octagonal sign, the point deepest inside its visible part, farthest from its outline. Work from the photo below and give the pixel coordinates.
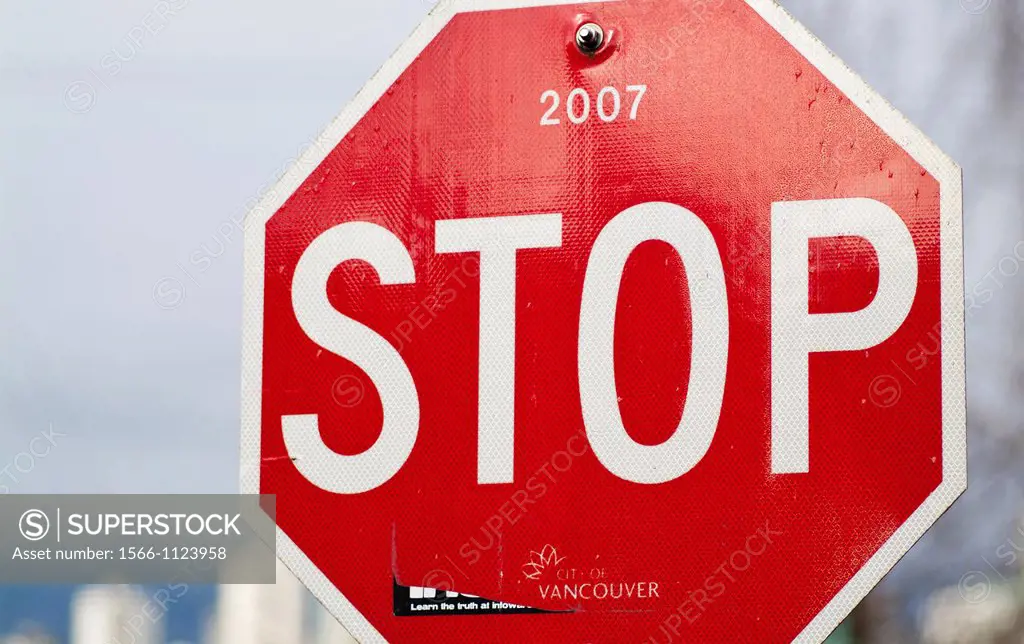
(602, 322)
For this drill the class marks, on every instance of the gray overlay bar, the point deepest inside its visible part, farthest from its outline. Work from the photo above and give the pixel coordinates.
(137, 539)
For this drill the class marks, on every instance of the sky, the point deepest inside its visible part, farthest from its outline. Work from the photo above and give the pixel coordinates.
(134, 132)
(111, 177)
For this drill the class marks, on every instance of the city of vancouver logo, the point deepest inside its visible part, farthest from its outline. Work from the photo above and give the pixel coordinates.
(539, 561)
(575, 583)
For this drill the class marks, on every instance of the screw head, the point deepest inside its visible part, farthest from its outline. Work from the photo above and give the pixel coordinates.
(589, 38)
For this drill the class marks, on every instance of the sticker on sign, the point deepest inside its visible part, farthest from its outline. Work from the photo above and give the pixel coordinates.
(641, 411)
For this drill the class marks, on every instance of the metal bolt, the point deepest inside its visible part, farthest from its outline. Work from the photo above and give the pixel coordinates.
(589, 38)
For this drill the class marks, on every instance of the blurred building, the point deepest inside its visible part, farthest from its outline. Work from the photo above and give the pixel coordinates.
(29, 633)
(282, 613)
(29, 638)
(260, 614)
(952, 618)
(329, 630)
(114, 615)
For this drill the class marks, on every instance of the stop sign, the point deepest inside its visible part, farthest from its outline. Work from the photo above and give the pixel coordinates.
(596, 322)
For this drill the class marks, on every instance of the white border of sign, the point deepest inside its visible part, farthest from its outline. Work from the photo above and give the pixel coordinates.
(954, 441)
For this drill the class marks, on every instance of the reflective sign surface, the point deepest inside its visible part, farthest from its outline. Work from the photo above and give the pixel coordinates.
(661, 344)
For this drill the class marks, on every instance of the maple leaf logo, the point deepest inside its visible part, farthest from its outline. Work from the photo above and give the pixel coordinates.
(547, 556)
